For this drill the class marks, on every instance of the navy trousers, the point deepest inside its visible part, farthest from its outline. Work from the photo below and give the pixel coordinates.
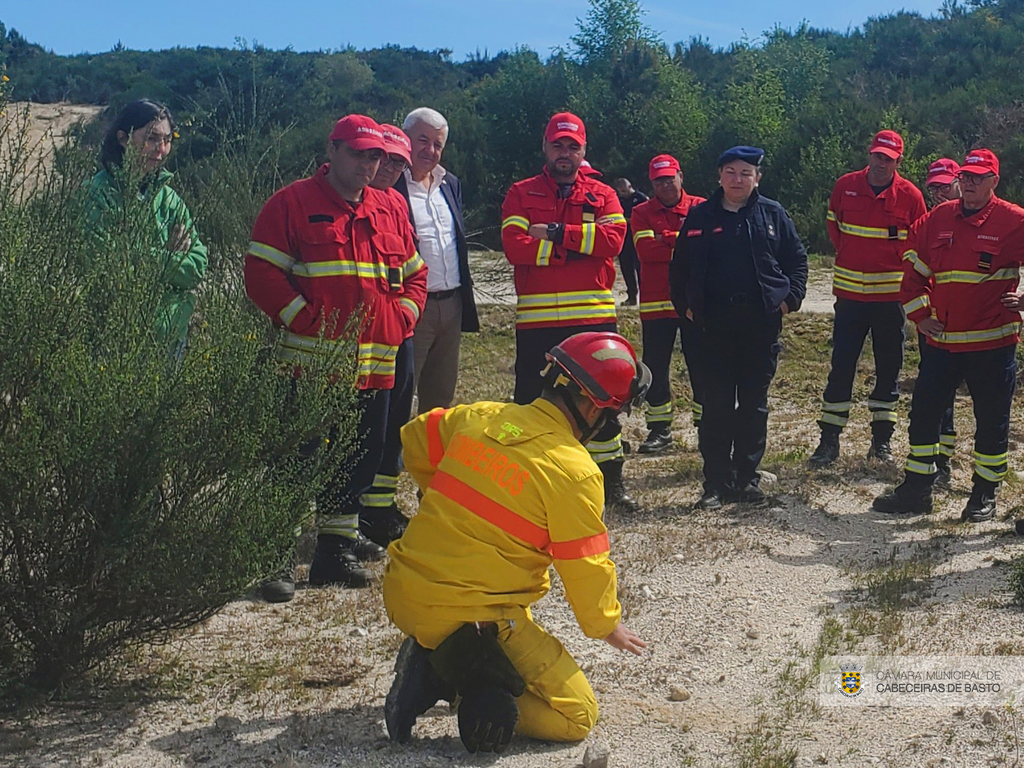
(886, 323)
(739, 357)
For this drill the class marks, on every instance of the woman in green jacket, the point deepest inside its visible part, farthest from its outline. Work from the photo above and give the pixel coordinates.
(148, 128)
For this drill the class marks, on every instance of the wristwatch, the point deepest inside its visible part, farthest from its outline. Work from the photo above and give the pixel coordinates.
(555, 232)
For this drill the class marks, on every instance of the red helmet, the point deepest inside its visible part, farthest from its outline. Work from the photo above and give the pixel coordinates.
(605, 368)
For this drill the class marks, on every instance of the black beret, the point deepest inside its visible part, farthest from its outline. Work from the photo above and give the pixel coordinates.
(752, 155)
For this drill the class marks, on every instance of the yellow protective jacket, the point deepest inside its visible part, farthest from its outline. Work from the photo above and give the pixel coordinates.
(507, 491)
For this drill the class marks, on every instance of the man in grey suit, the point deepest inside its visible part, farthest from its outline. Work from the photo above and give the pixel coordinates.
(435, 208)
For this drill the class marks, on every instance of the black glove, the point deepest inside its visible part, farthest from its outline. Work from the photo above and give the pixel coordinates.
(487, 718)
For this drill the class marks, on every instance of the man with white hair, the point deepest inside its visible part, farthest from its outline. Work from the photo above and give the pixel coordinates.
(435, 208)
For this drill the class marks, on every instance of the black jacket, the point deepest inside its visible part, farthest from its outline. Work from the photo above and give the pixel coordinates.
(778, 255)
(451, 189)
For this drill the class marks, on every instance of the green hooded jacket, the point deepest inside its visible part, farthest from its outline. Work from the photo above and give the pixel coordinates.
(183, 270)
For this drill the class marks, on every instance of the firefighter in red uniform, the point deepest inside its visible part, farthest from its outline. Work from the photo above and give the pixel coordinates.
(655, 225)
(869, 215)
(959, 286)
(561, 231)
(380, 519)
(322, 250)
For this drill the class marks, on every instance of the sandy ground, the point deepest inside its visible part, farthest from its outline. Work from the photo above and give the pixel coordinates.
(735, 604)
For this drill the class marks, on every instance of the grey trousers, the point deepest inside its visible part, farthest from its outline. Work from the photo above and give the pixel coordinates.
(436, 349)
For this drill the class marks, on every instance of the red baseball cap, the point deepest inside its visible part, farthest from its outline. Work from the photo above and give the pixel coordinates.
(662, 165)
(942, 171)
(889, 143)
(396, 142)
(359, 132)
(588, 170)
(566, 125)
(980, 162)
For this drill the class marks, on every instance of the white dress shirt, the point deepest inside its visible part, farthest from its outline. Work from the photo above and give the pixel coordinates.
(435, 229)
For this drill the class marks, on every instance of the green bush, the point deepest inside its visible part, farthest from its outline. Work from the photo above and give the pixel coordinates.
(138, 493)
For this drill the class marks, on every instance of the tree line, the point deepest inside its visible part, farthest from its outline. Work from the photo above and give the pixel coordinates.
(812, 98)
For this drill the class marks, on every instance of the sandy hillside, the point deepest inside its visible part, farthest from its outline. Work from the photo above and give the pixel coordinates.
(30, 132)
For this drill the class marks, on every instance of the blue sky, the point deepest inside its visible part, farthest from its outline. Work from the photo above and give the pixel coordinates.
(464, 26)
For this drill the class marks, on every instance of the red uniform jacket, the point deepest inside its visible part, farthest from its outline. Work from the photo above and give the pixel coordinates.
(649, 221)
(869, 233)
(956, 269)
(568, 284)
(316, 260)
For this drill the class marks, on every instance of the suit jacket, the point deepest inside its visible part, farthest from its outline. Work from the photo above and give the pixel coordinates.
(451, 190)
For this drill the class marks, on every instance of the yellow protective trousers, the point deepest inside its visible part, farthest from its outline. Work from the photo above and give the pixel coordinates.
(558, 704)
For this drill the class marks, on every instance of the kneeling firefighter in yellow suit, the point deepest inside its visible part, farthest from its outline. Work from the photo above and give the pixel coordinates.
(507, 491)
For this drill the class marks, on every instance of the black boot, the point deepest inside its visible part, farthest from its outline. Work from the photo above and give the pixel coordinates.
(382, 524)
(827, 451)
(615, 494)
(943, 472)
(366, 550)
(659, 438)
(416, 688)
(281, 588)
(881, 441)
(907, 498)
(750, 493)
(712, 498)
(334, 562)
(981, 507)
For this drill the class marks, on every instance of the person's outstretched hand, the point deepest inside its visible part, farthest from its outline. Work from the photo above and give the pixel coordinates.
(625, 639)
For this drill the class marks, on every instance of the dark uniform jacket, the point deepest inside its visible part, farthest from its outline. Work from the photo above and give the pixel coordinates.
(778, 255)
(451, 189)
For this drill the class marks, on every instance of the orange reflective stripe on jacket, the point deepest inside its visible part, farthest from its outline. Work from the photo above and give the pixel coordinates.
(585, 547)
(435, 448)
(491, 511)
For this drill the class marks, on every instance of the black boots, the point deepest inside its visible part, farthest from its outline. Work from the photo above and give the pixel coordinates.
(659, 438)
(881, 441)
(615, 494)
(281, 588)
(336, 562)
(827, 451)
(907, 498)
(981, 507)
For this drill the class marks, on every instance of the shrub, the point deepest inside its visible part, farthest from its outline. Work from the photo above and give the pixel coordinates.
(138, 493)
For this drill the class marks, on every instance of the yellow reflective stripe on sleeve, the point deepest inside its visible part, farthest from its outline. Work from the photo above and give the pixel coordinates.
(642, 235)
(973, 337)
(919, 265)
(272, 255)
(412, 307)
(589, 235)
(873, 233)
(921, 302)
(544, 251)
(962, 276)
(656, 306)
(516, 221)
(831, 215)
(612, 218)
(413, 265)
(291, 310)
(869, 277)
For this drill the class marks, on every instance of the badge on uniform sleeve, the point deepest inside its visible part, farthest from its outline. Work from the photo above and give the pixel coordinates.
(589, 208)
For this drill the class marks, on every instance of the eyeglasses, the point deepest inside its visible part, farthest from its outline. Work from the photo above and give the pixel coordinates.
(973, 179)
(159, 139)
(396, 162)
